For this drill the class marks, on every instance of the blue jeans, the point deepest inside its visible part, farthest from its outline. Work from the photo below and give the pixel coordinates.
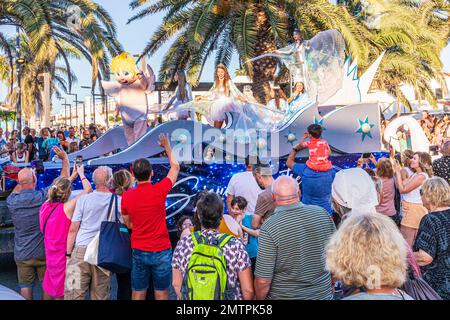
(155, 264)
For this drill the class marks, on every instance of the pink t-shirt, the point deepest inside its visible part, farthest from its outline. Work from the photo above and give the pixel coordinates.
(319, 151)
(387, 205)
(55, 241)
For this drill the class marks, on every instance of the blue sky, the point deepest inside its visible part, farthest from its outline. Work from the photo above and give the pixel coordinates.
(134, 37)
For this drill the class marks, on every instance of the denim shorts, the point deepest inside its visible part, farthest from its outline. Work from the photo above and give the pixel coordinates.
(156, 264)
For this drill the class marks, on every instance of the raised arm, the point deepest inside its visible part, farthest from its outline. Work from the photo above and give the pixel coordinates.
(143, 82)
(61, 154)
(408, 185)
(69, 206)
(174, 165)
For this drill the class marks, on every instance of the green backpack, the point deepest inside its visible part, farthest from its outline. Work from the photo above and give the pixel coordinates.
(206, 273)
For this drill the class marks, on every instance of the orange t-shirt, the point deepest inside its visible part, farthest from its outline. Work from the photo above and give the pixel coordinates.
(319, 151)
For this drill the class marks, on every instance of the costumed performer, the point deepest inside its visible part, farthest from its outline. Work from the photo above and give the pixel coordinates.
(130, 94)
(298, 99)
(223, 97)
(183, 94)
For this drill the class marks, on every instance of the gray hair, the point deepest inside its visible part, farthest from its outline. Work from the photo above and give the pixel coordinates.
(263, 169)
(285, 188)
(102, 176)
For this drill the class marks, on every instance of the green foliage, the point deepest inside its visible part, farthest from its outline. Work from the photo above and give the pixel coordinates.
(412, 33)
(54, 31)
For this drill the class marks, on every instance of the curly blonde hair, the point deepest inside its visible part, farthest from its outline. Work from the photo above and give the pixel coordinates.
(436, 191)
(368, 251)
(60, 190)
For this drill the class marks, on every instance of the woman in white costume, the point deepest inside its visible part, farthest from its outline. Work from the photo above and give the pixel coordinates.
(223, 97)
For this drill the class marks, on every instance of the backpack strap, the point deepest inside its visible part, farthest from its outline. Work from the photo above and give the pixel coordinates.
(197, 238)
(223, 239)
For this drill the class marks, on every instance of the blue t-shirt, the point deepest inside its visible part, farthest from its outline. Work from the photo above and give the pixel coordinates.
(252, 245)
(49, 144)
(316, 186)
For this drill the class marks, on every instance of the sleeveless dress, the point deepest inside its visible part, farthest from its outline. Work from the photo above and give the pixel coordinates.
(55, 241)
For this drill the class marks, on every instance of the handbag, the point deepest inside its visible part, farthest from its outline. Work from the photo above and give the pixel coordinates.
(415, 285)
(91, 254)
(114, 244)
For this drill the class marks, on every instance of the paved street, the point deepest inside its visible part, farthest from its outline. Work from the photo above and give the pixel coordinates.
(8, 276)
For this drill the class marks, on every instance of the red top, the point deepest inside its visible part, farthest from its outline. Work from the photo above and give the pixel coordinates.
(146, 206)
(319, 151)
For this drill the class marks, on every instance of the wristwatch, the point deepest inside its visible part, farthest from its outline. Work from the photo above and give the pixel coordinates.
(295, 149)
(68, 255)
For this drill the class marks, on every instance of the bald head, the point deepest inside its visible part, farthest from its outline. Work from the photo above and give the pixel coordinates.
(102, 176)
(445, 149)
(285, 190)
(26, 178)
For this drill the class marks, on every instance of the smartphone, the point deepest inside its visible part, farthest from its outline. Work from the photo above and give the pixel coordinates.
(366, 155)
(38, 165)
(79, 161)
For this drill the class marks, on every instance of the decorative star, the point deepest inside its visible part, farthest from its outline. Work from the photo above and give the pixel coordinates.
(365, 127)
(320, 123)
(291, 137)
(259, 146)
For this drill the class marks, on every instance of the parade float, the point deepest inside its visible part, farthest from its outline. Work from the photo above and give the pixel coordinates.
(337, 100)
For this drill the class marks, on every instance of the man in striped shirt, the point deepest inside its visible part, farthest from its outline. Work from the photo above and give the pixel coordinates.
(291, 253)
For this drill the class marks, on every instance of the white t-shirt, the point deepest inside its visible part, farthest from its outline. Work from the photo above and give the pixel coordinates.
(91, 210)
(74, 139)
(243, 184)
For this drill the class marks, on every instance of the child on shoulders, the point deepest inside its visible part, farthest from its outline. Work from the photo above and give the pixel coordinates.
(319, 150)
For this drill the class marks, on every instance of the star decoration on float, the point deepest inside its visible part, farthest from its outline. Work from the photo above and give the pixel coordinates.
(291, 137)
(320, 123)
(365, 127)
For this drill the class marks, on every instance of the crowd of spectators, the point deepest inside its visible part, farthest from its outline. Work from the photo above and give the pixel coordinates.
(352, 234)
(37, 144)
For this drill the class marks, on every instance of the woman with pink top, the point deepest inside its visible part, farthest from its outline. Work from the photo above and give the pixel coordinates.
(55, 217)
(385, 172)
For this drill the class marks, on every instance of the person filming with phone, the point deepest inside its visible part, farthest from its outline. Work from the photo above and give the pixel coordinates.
(24, 204)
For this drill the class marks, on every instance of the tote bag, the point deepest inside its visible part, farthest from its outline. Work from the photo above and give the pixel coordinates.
(91, 254)
(415, 286)
(114, 244)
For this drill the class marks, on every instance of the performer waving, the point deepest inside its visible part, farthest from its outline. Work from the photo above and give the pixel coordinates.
(298, 99)
(223, 97)
(183, 94)
(130, 94)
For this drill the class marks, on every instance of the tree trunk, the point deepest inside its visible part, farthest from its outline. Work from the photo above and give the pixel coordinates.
(263, 69)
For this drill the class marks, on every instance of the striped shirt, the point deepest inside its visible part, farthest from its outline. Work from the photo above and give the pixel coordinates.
(291, 252)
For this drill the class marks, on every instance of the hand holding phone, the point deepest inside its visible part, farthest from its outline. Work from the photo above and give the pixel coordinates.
(79, 161)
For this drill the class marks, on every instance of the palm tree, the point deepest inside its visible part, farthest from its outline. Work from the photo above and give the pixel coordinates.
(413, 34)
(251, 28)
(53, 29)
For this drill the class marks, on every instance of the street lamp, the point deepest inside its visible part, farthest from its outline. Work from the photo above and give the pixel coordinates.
(20, 61)
(65, 109)
(105, 102)
(76, 108)
(70, 112)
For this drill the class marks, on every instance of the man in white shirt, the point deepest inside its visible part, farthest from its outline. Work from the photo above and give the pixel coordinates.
(72, 138)
(90, 211)
(244, 184)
